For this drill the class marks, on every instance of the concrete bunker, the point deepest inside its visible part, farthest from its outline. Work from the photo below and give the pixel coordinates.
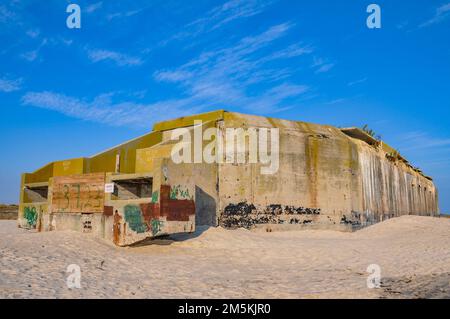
(328, 177)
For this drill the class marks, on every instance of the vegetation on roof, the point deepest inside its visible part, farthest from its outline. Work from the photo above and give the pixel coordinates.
(370, 132)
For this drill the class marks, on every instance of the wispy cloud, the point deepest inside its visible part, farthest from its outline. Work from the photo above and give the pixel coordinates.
(402, 25)
(273, 101)
(221, 78)
(94, 7)
(442, 13)
(104, 108)
(336, 101)
(33, 33)
(220, 16)
(430, 152)
(96, 55)
(230, 11)
(321, 65)
(292, 51)
(125, 14)
(357, 82)
(325, 68)
(6, 14)
(225, 76)
(8, 85)
(30, 56)
(419, 140)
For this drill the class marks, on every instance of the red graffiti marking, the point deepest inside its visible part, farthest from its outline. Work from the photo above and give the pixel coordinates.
(108, 210)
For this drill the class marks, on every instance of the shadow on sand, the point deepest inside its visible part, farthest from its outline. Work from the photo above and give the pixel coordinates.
(169, 239)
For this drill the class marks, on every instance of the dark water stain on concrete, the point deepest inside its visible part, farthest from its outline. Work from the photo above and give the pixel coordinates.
(248, 215)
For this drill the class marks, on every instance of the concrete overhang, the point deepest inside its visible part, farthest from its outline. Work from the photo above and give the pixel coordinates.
(188, 120)
(359, 134)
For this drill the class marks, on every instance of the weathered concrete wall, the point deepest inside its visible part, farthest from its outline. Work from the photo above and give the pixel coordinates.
(325, 178)
(78, 203)
(31, 214)
(198, 181)
(391, 188)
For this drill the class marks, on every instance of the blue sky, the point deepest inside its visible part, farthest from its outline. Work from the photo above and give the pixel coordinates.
(68, 93)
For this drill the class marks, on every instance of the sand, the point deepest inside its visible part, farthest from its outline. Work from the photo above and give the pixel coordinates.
(413, 254)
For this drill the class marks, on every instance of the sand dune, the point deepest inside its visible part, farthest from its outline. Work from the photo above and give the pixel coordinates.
(413, 254)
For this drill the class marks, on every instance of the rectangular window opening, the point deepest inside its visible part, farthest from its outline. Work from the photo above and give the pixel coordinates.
(36, 194)
(133, 188)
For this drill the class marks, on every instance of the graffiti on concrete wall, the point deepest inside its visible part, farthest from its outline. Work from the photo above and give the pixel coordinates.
(140, 221)
(72, 199)
(248, 215)
(78, 193)
(133, 216)
(176, 205)
(31, 215)
(146, 217)
(155, 196)
(177, 192)
(156, 226)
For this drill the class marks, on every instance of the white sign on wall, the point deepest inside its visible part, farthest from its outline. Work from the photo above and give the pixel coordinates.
(109, 188)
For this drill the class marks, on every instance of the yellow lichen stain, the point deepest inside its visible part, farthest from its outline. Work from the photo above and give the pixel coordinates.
(272, 122)
(145, 157)
(242, 190)
(189, 120)
(312, 156)
(68, 167)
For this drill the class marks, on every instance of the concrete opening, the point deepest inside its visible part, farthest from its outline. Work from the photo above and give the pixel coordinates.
(133, 188)
(36, 194)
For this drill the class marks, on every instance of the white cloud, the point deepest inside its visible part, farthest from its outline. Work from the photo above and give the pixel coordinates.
(66, 42)
(30, 56)
(321, 65)
(325, 68)
(103, 108)
(430, 152)
(123, 14)
(272, 100)
(220, 16)
(173, 76)
(6, 14)
(292, 51)
(440, 15)
(119, 58)
(33, 33)
(336, 101)
(357, 82)
(402, 25)
(7, 85)
(422, 140)
(94, 7)
(221, 78)
(225, 77)
(230, 11)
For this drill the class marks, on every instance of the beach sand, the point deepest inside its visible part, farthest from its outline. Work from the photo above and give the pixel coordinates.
(413, 254)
